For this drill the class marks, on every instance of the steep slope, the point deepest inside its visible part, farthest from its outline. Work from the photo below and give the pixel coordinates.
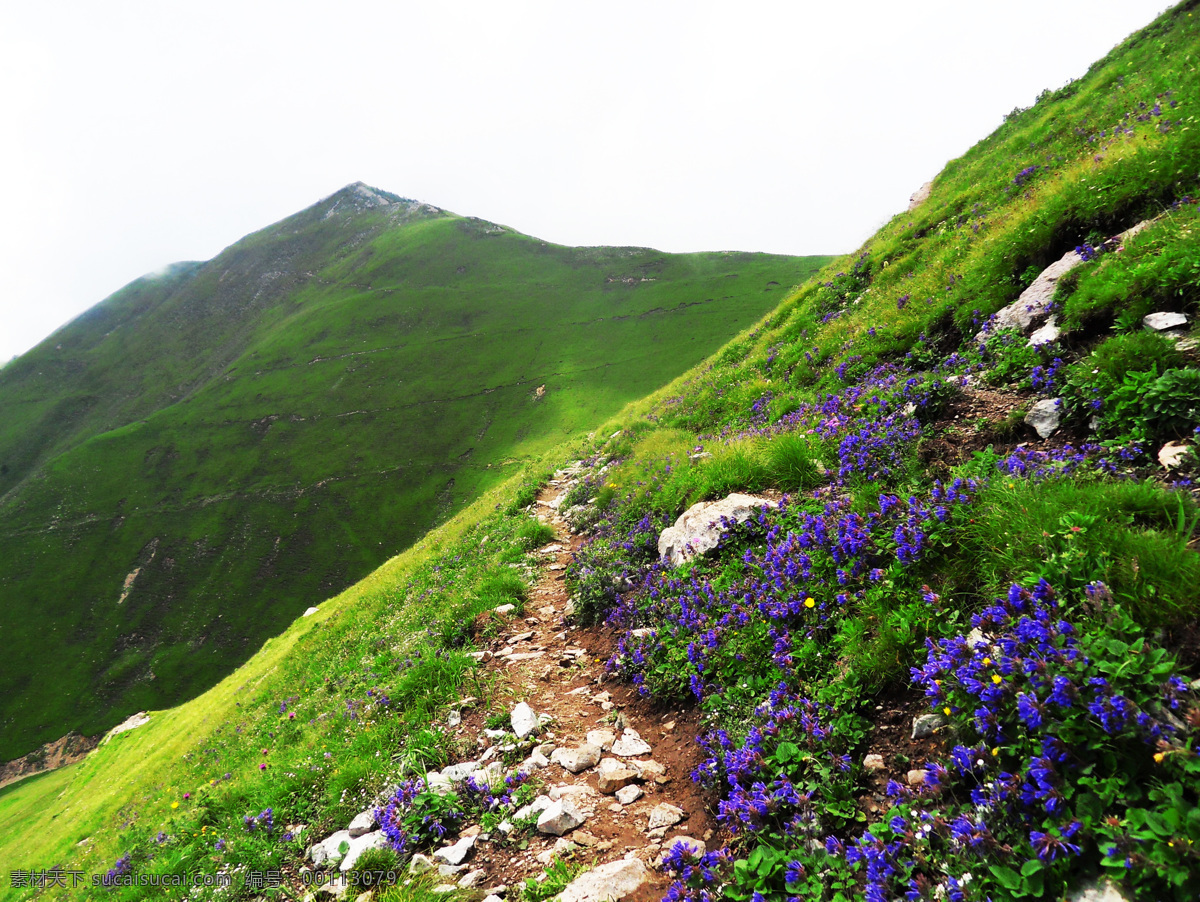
(1064, 741)
(211, 450)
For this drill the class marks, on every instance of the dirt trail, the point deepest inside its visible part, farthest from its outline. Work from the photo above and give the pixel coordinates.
(559, 670)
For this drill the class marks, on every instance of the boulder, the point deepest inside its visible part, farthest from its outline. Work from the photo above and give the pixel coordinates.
(607, 883)
(1034, 301)
(700, 527)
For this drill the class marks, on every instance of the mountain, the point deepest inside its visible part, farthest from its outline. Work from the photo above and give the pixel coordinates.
(949, 650)
(200, 457)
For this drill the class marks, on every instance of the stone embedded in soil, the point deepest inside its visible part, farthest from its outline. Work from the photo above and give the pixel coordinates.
(629, 794)
(1098, 890)
(537, 806)
(505, 609)
(421, 864)
(700, 527)
(363, 822)
(472, 878)
(611, 780)
(1047, 333)
(456, 853)
(523, 720)
(559, 818)
(916, 777)
(1171, 455)
(568, 791)
(607, 883)
(664, 815)
(1045, 416)
(630, 745)
(874, 762)
(461, 771)
(492, 898)
(926, 725)
(577, 759)
(328, 851)
(361, 844)
(602, 739)
(1159, 322)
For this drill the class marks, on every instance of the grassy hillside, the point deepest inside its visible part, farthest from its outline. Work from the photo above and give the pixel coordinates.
(919, 507)
(205, 454)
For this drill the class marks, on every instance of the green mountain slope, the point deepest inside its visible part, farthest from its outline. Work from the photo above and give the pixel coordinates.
(1069, 742)
(202, 456)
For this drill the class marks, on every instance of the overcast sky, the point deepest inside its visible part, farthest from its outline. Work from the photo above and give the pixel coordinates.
(137, 134)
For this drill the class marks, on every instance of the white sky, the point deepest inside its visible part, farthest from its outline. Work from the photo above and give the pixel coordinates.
(136, 134)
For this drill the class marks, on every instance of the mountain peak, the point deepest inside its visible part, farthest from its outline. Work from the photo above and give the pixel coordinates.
(359, 196)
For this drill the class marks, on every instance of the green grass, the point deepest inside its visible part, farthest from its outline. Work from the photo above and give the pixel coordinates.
(253, 434)
(914, 296)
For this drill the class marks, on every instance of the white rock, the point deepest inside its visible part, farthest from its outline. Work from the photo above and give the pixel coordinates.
(664, 815)
(505, 609)
(699, 528)
(630, 745)
(926, 725)
(577, 759)
(873, 762)
(421, 864)
(559, 818)
(1171, 455)
(1098, 890)
(537, 806)
(443, 888)
(524, 721)
(492, 898)
(607, 883)
(602, 739)
(629, 794)
(361, 844)
(1159, 322)
(310, 612)
(328, 851)
(461, 771)
(1045, 416)
(472, 878)
(920, 196)
(574, 792)
(1047, 333)
(456, 853)
(363, 822)
(1031, 306)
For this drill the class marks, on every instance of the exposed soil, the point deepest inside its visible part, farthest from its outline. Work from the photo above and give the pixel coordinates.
(565, 687)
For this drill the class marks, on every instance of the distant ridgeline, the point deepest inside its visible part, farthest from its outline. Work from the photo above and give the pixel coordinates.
(188, 465)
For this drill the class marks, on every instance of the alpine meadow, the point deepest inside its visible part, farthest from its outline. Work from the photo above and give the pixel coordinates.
(723, 576)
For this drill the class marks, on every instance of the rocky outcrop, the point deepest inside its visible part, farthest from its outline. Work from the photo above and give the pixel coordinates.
(700, 527)
(51, 756)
